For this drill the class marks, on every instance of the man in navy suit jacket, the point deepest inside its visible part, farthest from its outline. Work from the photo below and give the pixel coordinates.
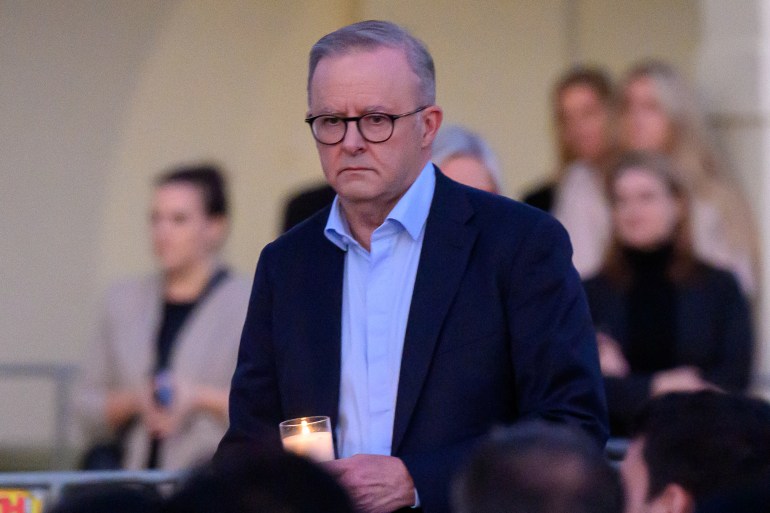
(495, 326)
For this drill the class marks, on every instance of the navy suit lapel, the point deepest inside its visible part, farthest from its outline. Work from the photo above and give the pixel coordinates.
(318, 295)
(445, 252)
(329, 314)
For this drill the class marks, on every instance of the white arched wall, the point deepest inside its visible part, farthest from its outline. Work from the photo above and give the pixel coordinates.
(225, 82)
(67, 69)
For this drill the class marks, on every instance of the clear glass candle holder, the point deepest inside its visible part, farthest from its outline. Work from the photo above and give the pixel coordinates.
(310, 437)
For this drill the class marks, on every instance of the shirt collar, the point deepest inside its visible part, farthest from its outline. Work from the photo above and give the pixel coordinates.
(411, 211)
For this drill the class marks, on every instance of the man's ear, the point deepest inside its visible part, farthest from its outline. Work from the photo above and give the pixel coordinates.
(432, 117)
(674, 499)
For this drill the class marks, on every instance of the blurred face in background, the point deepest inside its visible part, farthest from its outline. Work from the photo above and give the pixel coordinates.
(644, 124)
(583, 120)
(645, 211)
(183, 235)
(469, 171)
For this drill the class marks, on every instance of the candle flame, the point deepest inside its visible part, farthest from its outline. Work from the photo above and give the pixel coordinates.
(305, 429)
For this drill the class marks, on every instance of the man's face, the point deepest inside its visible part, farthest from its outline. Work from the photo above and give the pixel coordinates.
(362, 82)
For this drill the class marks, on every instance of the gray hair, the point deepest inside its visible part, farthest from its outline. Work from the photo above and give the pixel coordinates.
(373, 34)
(456, 141)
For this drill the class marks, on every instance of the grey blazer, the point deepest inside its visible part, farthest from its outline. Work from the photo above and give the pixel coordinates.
(123, 354)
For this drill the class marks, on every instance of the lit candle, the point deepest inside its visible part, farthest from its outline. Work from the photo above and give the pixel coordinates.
(315, 443)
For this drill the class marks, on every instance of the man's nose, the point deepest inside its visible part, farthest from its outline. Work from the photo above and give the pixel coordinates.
(353, 140)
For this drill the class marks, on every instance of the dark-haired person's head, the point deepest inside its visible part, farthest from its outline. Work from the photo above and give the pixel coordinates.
(537, 467)
(688, 446)
(109, 498)
(261, 482)
(189, 218)
(208, 179)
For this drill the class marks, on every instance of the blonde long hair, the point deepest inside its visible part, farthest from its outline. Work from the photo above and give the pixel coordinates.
(689, 146)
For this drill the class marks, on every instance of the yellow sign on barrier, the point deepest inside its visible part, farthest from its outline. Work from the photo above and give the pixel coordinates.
(20, 501)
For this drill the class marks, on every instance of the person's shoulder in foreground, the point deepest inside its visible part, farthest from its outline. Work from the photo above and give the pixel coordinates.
(260, 481)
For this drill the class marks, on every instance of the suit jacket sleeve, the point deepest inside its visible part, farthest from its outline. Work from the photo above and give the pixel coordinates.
(553, 344)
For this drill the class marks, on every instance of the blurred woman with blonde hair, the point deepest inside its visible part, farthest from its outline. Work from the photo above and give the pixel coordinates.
(658, 112)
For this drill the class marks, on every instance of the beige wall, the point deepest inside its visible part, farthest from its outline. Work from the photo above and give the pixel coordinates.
(102, 95)
(615, 34)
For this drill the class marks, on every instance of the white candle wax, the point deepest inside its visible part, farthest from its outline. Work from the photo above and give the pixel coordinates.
(317, 446)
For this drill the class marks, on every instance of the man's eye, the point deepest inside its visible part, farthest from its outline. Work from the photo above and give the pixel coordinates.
(330, 121)
(376, 119)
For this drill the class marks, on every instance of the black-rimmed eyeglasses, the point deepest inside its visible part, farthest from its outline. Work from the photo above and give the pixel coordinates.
(375, 127)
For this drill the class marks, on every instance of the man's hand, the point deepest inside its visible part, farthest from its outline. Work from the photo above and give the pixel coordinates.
(376, 484)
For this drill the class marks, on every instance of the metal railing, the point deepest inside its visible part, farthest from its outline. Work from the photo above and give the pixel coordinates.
(54, 483)
(62, 376)
(616, 448)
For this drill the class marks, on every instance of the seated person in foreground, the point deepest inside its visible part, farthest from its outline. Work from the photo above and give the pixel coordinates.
(535, 467)
(107, 498)
(156, 378)
(665, 320)
(260, 481)
(690, 447)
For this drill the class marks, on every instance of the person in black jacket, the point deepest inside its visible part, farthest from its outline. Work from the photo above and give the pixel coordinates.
(665, 320)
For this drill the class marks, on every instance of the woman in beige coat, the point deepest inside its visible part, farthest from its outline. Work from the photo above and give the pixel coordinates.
(157, 376)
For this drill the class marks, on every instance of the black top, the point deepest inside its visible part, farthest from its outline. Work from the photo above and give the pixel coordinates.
(651, 311)
(174, 316)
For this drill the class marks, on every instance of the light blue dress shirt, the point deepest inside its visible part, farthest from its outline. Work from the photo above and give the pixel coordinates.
(376, 296)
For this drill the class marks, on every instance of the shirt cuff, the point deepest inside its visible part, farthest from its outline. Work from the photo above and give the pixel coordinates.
(416, 499)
